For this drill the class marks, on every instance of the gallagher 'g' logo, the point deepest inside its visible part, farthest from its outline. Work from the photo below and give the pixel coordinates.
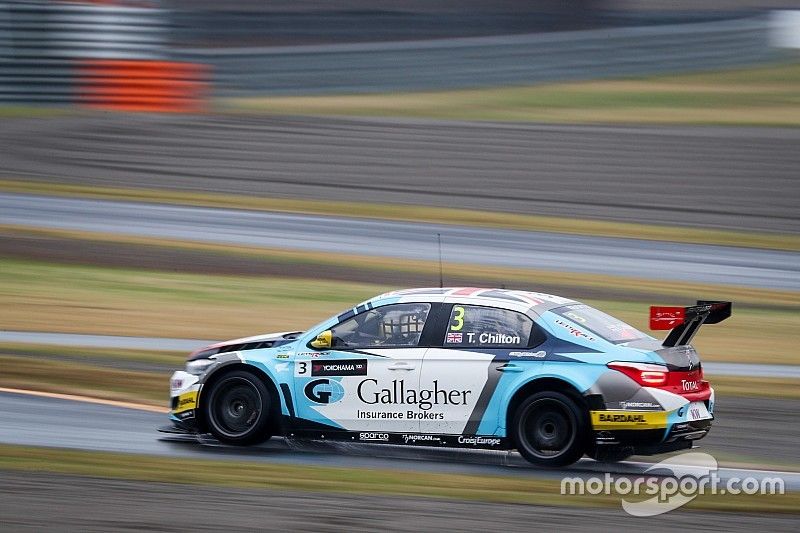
(324, 391)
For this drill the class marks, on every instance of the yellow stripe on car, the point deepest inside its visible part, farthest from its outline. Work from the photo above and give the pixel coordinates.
(609, 420)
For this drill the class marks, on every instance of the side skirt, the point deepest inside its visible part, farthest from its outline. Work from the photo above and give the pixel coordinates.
(288, 428)
(485, 442)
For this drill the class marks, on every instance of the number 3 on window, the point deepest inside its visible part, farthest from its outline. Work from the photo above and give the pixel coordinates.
(458, 319)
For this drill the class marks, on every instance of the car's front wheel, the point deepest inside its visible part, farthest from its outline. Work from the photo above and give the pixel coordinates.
(238, 409)
(549, 429)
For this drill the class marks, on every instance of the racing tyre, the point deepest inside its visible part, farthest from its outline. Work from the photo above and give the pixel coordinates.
(549, 429)
(239, 409)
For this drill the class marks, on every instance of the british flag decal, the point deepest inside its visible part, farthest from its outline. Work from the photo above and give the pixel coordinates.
(454, 338)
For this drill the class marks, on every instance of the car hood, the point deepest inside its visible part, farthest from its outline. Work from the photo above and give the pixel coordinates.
(265, 340)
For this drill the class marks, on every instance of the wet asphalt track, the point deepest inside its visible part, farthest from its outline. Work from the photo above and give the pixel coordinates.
(725, 177)
(37, 421)
(51, 502)
(403, 240)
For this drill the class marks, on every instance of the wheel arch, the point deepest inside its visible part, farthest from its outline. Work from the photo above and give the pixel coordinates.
(541, 384)
(225, 369)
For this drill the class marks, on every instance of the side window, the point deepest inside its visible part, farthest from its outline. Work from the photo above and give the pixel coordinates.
(474, 326)
(391, 325)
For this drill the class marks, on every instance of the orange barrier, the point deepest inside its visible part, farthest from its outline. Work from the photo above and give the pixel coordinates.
(143, 85)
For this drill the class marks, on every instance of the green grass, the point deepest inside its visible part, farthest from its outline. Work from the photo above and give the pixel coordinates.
(27, 373)
(87, 299)
(767, 95)
(281, 477)
(89, 355)
(30, 111)
(416, 214)
(298, 264)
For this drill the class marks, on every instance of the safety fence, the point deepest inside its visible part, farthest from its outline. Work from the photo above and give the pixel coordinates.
(107, 54)
(94, 53)
(486, 61)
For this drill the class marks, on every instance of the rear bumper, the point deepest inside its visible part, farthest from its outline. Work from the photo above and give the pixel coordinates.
(694, 430)
(676, 426)
(678, 436)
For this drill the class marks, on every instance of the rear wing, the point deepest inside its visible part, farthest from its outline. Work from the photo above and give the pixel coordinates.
(685, 321)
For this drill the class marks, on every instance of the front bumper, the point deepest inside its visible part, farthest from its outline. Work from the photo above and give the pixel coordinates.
(184, 391)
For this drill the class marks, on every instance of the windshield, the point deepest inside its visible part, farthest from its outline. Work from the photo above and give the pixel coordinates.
(599, 323)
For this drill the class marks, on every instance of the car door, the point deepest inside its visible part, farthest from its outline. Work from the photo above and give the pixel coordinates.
(463, 372)
(368, 380)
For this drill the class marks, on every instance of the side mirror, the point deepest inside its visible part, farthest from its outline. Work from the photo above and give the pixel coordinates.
(323, 340)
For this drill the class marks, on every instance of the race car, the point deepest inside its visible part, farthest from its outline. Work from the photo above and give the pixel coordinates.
(461, 367)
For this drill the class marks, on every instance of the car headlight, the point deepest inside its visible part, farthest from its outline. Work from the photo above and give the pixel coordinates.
(198, 366)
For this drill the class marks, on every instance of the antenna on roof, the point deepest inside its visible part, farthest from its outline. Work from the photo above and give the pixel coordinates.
(439, 240)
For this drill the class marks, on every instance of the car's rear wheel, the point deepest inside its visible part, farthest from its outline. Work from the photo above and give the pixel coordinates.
(549, 429)
(239, 409)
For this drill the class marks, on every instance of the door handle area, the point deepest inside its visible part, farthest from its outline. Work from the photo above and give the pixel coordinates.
(509, 367)
(401, 366)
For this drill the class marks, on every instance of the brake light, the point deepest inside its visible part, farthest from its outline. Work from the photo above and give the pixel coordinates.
(645, 374)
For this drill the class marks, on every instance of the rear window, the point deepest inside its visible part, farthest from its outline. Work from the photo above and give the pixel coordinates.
(599, 323)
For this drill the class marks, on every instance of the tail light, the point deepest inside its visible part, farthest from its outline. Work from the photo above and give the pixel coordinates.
(645, 374)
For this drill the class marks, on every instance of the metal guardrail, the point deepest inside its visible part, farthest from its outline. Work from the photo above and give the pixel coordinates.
(97, 54)
(45, 45)
(348, 21)
(41, 43)
(486, 61)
